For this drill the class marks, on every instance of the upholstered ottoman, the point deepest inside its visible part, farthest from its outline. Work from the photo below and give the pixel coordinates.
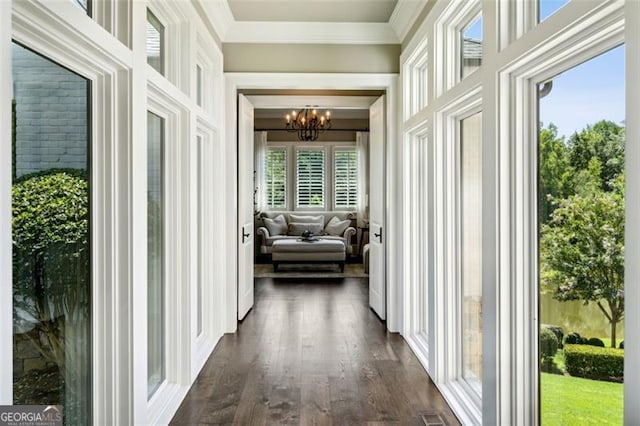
(299, 251)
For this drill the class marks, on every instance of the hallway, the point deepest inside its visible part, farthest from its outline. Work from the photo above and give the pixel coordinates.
(312, 352)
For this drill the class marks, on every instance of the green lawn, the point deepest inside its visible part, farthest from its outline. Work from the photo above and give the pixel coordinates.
(576, 401)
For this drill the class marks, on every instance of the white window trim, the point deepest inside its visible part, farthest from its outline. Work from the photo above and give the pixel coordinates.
(418, 244)
(208, 255)
(177, 199)
(97, 56)
(416, 74)
(448, 285)
(449, 26)
(632, 226)
(508, 308)
(177, 68)
(516, 217)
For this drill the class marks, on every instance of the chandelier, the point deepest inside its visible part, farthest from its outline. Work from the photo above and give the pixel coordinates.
(307, 123)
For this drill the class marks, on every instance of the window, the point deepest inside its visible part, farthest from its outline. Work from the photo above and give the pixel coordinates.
(547, 8)
(198, 85)
(155, 42)
(200, 166)
(50, 232)
(276, 178)
(581, 225)
(471, 249)
(471, 47)
(345, 178)
(155, 254)
(310, 178)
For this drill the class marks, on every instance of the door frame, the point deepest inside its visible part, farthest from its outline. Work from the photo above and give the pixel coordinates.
(288, 81)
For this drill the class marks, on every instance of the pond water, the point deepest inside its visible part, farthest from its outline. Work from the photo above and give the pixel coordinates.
(588, 321)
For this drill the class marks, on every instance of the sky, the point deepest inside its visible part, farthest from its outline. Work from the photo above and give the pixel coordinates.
(587, 93)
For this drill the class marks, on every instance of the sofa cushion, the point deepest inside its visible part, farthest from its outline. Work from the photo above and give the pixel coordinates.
(296, 228)
(306, 219)
(336, 226)
(276, 226)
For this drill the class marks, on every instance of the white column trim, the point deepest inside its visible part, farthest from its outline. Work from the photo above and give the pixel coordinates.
(6, 249)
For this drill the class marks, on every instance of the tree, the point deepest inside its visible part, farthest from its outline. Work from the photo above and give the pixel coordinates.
(555, 171)
(605, 141)
(582, 249)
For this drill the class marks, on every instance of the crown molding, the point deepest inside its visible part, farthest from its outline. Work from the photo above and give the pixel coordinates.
(220, 16)
(404, 16)
(311, 33)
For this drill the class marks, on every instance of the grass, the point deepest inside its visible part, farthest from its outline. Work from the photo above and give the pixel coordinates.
(575, 401)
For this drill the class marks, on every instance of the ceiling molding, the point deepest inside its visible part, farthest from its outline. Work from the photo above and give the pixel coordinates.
(295, 101)
(220, 16)
(405, 15)
(311, 33)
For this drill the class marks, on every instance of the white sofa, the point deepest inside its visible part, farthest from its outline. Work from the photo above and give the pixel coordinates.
(267, 239)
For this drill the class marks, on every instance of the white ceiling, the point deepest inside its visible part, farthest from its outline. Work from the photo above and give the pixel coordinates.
(313, 21)
(313, 11)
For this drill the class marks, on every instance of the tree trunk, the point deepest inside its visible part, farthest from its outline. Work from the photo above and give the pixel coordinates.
(614, 322)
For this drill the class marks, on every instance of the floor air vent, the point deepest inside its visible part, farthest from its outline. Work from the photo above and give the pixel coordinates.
(433, 419)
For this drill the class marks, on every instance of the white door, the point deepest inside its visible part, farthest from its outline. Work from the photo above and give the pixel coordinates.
(377, 237)
(245, 206)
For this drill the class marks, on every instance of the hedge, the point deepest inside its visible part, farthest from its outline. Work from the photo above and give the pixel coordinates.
(594, 362)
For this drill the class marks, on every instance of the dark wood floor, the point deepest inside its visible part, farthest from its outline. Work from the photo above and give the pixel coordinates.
(311, 352)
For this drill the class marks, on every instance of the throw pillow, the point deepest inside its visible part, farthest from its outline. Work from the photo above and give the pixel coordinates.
(298, 228)
(306, 219)
(276, 226)
(337, 226)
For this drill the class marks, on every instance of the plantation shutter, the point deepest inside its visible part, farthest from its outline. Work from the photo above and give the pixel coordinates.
(276, 178)
(310, 178)
(345, 178)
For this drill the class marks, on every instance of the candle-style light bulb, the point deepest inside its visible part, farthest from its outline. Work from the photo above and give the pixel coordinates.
(288, 119)
(328, 115)
(293, 113)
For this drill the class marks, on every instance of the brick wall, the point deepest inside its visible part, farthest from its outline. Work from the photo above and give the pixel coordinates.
(51, 114)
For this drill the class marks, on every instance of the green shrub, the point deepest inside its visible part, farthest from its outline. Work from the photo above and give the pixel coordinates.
(594, 362)
(574, 339)
(621, 345)
(594, 341)
(557, 330)
(51, 260)
(548, 348)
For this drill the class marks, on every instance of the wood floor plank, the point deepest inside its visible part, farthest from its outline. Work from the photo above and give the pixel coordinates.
(312, 352)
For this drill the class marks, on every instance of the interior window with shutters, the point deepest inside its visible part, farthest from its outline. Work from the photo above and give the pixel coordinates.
(345, 180)
(310, 178)
(276, 178)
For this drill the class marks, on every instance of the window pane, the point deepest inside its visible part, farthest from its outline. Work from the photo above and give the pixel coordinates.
(345, 178)
(310, 178)
(84, 4)
(200, 207)
(547, 8)
(155, 42)
(50, 231)
(276, 178)
(471, 47)
(198, 85)
(471, 237)
(581, 163)
(155, 246)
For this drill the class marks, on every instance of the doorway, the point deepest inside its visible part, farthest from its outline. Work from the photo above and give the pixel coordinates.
(244, 260)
